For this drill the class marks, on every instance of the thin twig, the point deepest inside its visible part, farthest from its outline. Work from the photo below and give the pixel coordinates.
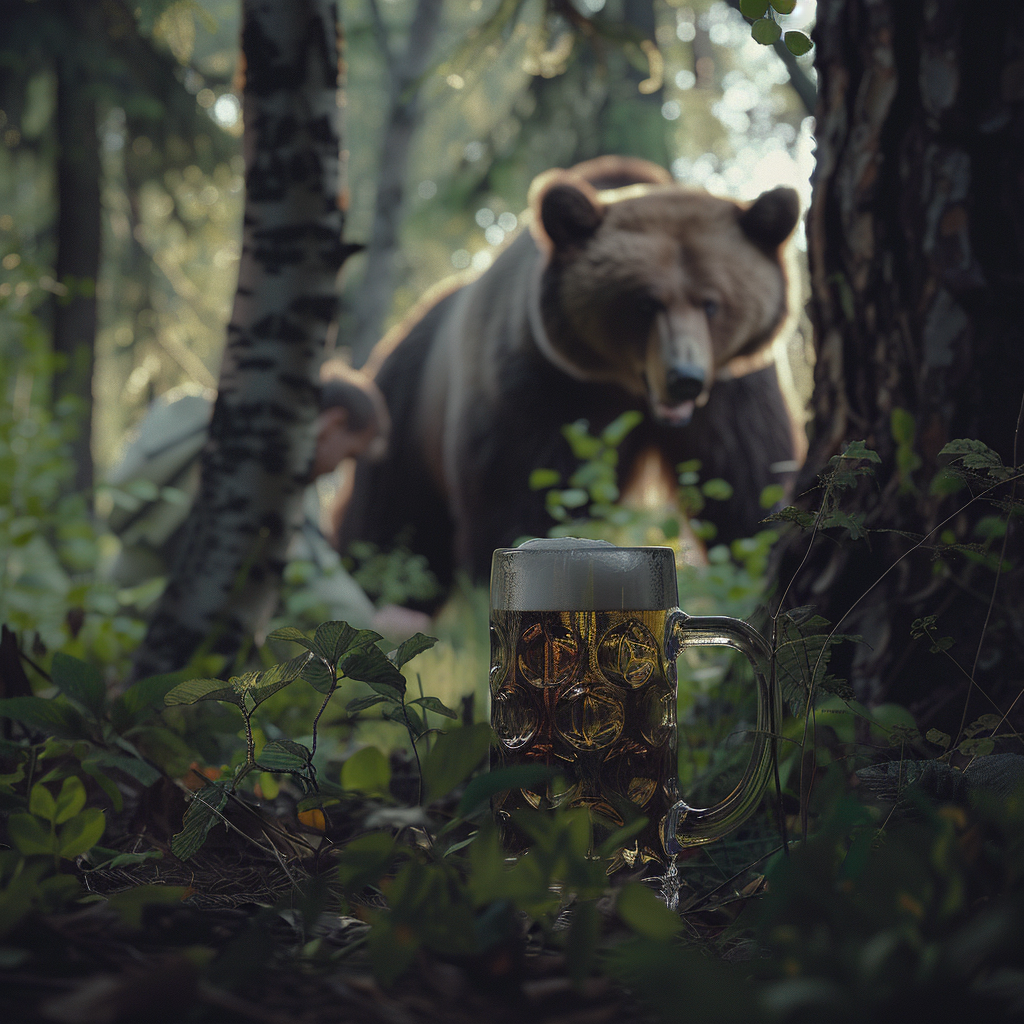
(995, 584)
(323, 706)
(703, 899)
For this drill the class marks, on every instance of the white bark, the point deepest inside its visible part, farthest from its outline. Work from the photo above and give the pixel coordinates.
(256, 463)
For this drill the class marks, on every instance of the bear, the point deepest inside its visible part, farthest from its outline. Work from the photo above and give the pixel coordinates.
(628, 291)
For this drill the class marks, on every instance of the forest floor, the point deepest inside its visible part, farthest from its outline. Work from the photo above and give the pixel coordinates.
(226, 937)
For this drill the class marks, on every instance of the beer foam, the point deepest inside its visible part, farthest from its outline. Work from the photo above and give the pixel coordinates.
(577, 574)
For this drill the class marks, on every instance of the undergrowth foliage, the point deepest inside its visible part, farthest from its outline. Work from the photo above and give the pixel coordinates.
(901, 898)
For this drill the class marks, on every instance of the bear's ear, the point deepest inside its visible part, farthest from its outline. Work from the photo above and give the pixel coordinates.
(569, 215)
(770, 219)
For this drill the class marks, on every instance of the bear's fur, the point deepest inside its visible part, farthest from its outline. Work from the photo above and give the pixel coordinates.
(638, 297)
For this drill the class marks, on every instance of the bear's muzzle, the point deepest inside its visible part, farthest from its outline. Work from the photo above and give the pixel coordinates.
(683, 383)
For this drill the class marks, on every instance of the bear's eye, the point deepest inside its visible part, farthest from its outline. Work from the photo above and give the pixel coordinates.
(710, 308)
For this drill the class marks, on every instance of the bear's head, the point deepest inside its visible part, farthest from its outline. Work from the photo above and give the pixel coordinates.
(656, 287)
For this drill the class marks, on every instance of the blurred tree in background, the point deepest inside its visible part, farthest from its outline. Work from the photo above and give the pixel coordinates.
(75, 79)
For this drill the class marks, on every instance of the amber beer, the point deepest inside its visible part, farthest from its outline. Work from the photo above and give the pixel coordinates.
(584, 637)
(591, 694)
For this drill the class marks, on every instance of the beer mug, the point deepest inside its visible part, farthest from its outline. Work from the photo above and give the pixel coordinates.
(584, 641)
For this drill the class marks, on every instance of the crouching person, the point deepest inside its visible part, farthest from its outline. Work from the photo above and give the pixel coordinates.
(157, 479)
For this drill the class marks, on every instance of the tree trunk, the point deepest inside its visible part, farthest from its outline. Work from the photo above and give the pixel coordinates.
(224, 583)
(404, 73)
(916, 243)
(78, 244)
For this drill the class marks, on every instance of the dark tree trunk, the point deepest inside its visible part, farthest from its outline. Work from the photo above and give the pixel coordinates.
(225, 581)
(916, 242)
(78, 243)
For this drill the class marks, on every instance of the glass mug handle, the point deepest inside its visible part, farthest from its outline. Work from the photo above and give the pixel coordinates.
(693, 826)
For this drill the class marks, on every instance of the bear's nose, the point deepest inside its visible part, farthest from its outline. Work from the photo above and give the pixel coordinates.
(684, 383)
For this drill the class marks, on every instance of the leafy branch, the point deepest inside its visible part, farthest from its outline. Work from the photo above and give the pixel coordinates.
(766, 28)
(335, 652)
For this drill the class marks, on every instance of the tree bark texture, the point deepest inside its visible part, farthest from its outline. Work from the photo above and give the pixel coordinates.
(225, 581)
(916, 244)
(78, 240)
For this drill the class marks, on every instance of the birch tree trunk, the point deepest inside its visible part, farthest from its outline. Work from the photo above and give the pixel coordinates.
(225, 581)
(916, 243)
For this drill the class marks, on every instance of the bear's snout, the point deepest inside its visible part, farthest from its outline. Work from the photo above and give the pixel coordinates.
(684, 383)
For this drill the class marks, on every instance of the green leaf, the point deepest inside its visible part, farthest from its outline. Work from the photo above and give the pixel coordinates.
(790, 514)
(783, 6)
(30, 835)
(200, 817)
(986, 723)
(771, 496)
(435, 705)
(857, 450)
(70, 800)
(973, 454)
(753, 9)
(903, 426)
(798, 43)
(362, 703)
(255, 687)
(408, 649)
(453, 758)
(371, 665)
(939, 738)
(948, 480)
(367, 771)
(110, 859)
(543, 479)
(615, 433)
(480, 790)
(53, 716)
(583, 445)
(574, 497)
(334, 639)
(852, 522)
(195, 690)
(284, 756)
(81, 833)
(389, 692)
(79, 681)
(142, 698)
(318, 675)
(765, 32)
(41, 802)
(92, 768)
(717, 489)
(969, 748)
(294, 635)
(405, 716)
(138, 769)
(646, 914)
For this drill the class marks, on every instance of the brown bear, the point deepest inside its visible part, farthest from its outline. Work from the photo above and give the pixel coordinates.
(628, 292)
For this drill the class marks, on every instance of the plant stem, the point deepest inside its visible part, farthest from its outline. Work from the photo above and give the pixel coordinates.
(323, 706)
